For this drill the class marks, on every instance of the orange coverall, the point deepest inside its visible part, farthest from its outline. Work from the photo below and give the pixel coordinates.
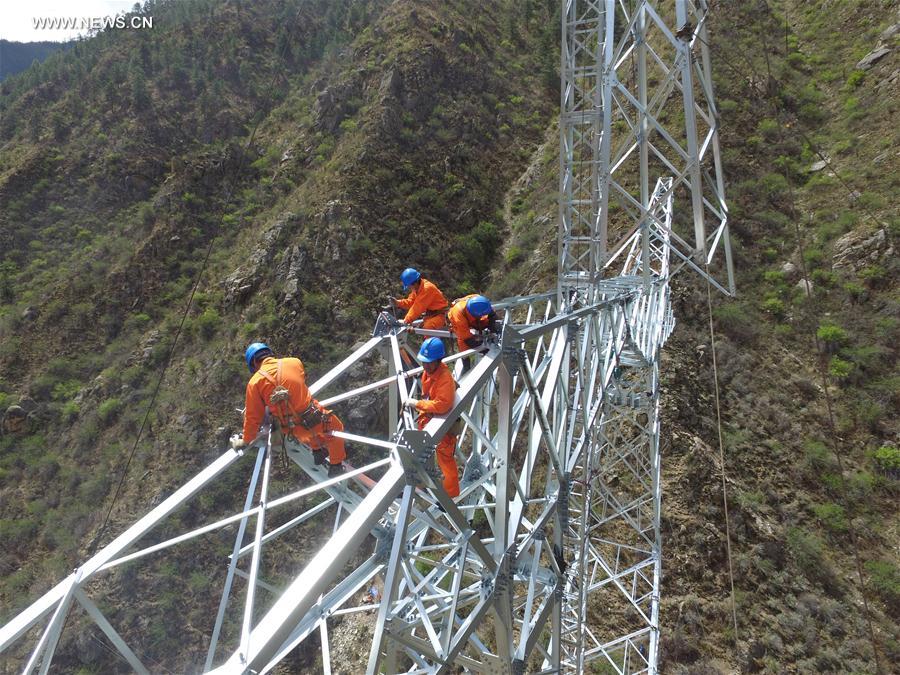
(462, 323)
(427, 298)
(438, 391)
(293, 378)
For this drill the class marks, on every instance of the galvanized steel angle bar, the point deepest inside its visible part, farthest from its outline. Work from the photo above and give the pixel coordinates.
(232, 564)
(337, 597)
(110, 632)
(26, 619)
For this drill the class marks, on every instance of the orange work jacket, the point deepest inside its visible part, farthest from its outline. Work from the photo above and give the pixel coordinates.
(259, 393)
(427, 298)
(438, 391)
(462, 323)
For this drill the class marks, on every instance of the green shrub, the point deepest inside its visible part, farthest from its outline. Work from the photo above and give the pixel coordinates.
(773, 184)
(868, 357)
(63, 391)
(813, 257)
(832, 335)
(808, 552)
(70, 411)
(423, 197)
(146, 214)
(860, 485)
(818, 457)
(839, 369)
(133, 375)
(774, 306)
(476, 249)
(137, 321)
(824, 278)
(18, 532)
(737, 321)
(317, 305)
(775, 277)
(109, 409)
(208, 322)
(856, 78)
(325, 147)
(832, 517)
(887, 458)
(885, 579)
(873, 276)
(769, 128)
(871, 200)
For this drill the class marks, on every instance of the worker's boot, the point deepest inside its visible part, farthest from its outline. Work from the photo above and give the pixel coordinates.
(319, 456)
(335, 470)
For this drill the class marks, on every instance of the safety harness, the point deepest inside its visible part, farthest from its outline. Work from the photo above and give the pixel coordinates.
(311, 416)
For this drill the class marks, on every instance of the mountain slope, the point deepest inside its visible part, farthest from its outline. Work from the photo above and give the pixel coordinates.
(18, 56)
(312, 150)
(316, 148)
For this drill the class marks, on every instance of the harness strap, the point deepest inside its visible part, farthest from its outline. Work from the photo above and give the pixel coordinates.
(283, 400)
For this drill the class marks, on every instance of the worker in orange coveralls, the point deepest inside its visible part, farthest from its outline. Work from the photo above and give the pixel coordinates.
(280, 385)
(424, 300)
(468, 317)
(438, 392)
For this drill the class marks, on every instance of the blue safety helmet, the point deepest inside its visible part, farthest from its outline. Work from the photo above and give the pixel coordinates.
(479, 306)
(431, 350)
(253, 351)
(409, 276)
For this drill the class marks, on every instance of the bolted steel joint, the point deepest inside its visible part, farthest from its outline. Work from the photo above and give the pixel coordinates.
(562, 507)
(487, 586)
(384, 537)
(501, 580)
(513, 357)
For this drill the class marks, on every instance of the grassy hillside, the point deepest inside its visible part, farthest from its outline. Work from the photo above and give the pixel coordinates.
(272, 166)
(311, 150)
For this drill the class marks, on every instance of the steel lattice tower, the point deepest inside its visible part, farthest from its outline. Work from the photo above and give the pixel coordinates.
(551, 557)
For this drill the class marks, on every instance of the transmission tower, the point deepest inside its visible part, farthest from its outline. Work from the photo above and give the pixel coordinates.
(551, 556)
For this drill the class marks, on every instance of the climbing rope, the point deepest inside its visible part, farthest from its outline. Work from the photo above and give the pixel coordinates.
(712, 342)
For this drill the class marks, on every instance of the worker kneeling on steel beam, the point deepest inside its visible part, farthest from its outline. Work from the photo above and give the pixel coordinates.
(280, 385)
(469, 317)
(438, 392)
(424, 301)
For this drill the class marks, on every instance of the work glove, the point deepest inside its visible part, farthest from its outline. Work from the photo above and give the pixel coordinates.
(411, 403)
(473, 342)
(237, 442)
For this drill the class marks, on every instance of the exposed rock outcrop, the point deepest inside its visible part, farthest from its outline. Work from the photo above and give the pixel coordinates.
(858, 249)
